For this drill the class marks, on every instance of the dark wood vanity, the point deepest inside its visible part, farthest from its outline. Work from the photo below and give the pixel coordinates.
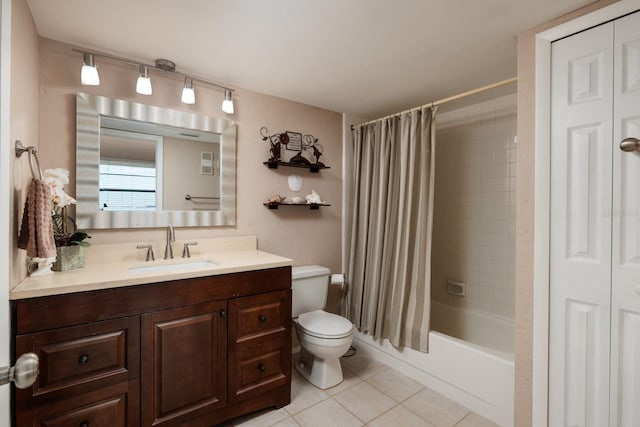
(191, 352)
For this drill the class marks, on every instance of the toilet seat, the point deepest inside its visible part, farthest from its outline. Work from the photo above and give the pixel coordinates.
(320, 324)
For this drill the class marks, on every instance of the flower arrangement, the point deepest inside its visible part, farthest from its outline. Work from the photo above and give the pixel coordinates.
(65, 232)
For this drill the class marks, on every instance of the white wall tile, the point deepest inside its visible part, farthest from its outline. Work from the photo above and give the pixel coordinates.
(474, 218)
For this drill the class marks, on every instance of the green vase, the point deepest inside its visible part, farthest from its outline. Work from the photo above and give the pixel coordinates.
(68, 258)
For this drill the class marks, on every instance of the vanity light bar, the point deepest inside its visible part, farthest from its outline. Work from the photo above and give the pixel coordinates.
(89, 76)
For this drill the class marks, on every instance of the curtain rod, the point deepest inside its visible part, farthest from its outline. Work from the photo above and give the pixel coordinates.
(154, 67)
(445, 100)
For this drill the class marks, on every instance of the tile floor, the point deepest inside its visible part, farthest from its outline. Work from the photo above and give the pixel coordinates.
(372, 394)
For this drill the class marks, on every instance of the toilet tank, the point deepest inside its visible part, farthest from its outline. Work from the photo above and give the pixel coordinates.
(309, 286)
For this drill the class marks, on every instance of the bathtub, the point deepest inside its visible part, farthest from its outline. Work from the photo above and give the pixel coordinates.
(494, 334)
(478, 374)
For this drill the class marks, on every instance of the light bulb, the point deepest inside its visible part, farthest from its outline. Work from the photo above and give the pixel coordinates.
(89, 74)
(188, 94)
(143, 85)
(227, 103)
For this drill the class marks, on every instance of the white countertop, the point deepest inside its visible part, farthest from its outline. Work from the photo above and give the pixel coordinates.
(108, 266)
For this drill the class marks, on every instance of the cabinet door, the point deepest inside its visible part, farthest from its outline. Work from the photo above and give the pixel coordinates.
(625, 291)
(580, 251)
(184, 363)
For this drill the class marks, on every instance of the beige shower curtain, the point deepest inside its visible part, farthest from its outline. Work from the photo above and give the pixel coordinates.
(391, 194)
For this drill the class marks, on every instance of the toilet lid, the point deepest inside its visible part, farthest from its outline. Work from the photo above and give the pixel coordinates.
(321, 324)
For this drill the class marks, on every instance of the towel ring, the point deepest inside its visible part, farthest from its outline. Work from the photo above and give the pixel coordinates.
(33, 155)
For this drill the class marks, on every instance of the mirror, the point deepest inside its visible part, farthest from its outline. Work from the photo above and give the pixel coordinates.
(139, 165)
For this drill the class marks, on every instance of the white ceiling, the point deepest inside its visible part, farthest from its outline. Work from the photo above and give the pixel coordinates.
(365, 57)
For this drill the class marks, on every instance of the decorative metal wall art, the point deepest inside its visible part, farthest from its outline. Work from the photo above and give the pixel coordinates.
(308, 150)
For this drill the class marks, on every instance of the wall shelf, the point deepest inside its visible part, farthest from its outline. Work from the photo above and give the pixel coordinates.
(312, 167)
(311, 206)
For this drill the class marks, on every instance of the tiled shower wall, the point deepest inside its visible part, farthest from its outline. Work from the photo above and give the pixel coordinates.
(474, 207)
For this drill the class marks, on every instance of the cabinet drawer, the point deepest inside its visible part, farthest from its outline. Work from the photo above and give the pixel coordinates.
(113, 406)
(81, 358)
(108, 413)
(259, 369)
(258, 318)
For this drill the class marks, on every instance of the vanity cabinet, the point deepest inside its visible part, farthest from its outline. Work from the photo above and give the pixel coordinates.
(192, 352)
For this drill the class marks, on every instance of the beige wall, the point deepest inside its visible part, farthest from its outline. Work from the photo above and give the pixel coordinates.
(24, 118)
(525, 211)
(474, 206)
(304, 235)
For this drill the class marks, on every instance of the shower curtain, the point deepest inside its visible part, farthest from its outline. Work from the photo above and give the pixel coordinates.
(391, 192)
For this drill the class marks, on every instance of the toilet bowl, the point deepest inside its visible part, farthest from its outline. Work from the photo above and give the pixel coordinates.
(324, 337)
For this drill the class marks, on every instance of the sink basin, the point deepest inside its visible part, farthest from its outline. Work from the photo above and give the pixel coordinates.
(172, 268)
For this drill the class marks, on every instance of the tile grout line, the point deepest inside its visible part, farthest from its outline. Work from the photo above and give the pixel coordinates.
(292, 419)
(391, 397)
(463, 418)
(397, 403)
(418, 415)
(347, 409)
(388, 410)
(326, 397)
(353, 385)
(310, 406)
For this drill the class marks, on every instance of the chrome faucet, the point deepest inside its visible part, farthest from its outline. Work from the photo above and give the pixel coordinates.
(171, 237)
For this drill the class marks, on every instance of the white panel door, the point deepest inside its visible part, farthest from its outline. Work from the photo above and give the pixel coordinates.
(625, 291)
(580, 253)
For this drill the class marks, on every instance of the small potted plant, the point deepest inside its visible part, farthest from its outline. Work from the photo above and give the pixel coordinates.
(70, 242)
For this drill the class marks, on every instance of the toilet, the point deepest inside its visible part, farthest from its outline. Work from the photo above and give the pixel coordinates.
(324, 337)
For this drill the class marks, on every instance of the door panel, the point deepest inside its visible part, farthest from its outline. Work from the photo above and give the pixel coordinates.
(626, 194)
(580, 253)
(625, 274)
(183, 363)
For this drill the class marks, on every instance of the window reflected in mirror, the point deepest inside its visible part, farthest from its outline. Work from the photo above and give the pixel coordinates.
(128, 171)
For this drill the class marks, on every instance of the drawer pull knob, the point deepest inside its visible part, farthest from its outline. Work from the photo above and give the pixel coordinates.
(261, 368)
(262, 318)
(223, 313)
(84, 424)
(83, 360)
